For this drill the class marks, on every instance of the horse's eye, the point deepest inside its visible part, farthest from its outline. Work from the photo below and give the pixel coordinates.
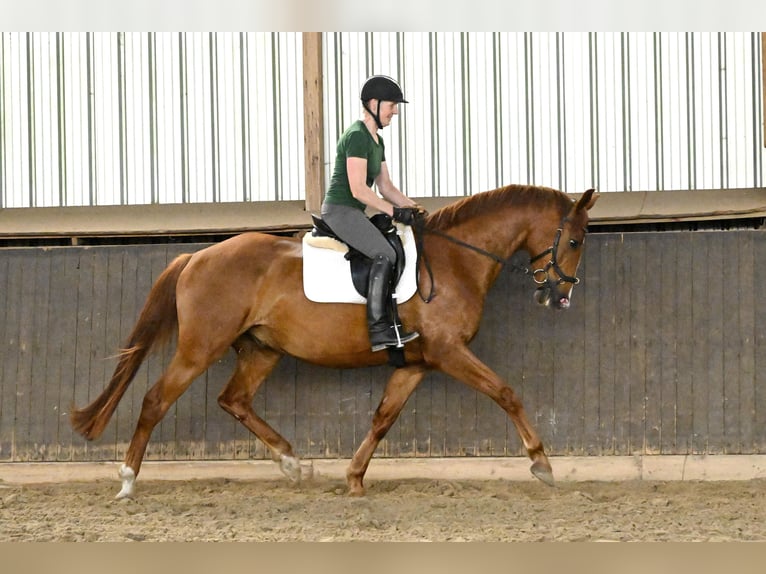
(573, 243)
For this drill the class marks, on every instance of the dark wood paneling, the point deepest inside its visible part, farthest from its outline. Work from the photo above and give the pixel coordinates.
(12, 289)
(662, 352)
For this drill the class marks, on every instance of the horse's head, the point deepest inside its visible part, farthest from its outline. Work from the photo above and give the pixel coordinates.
(557, 248)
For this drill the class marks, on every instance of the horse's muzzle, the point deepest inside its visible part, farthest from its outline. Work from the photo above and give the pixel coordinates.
(550, 296)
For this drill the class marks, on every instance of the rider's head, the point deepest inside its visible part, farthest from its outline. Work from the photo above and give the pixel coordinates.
(382, 89)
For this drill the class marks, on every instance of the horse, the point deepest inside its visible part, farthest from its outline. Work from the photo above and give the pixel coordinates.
(246, 293)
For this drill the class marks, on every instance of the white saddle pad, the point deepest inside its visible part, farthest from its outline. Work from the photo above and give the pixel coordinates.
(327, 273)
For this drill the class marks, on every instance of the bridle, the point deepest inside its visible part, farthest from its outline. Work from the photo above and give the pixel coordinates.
(421, 229)
(552, 262)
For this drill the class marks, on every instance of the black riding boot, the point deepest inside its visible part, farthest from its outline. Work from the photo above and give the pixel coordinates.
(384, 332)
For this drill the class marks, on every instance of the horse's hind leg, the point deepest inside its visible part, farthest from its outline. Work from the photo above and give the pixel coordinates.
(171, 385)
(254, 363)
(398, 389)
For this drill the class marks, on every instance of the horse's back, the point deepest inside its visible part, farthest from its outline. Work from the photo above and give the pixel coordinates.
(243, 262)
(250, 250)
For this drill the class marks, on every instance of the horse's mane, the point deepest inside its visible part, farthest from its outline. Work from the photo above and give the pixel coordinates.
(491, 201)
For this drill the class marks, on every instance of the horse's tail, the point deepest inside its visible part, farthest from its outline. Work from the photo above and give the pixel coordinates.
(156, 324)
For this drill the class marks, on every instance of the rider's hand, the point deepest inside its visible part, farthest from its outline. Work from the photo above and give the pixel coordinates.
(406, 215)
(422, 211)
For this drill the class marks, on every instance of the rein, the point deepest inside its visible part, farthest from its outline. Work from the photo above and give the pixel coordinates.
(421, 229)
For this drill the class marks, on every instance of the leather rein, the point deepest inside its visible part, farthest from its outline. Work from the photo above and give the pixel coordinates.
(420, 229)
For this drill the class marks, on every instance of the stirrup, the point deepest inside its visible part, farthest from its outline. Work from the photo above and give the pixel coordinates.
(398, 340)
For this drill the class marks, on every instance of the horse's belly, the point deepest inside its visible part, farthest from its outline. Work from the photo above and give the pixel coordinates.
(323, 338)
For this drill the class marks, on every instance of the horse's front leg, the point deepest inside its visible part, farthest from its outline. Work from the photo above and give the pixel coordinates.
(398, 389)
(462, 364)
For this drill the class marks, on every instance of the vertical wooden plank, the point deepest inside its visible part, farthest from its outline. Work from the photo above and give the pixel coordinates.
(665, 316)
(637, 287)
(82, 392)
(538, 352)
(588, 296)
(51, 341)
(759, 399)
(652, 325)
(763, 79)
(303, 409)
(55, 339)
(402, 434)
(65, 299)
(330, 421)
(454, 431)
(98, 369)
(313, 120)
(624, 379)
(731, 341)
(421, 409)
(570, 368)
(749, 306)
(438, 417)
(319, 409)
(701, 327)
(6, 331)
(716, 336)
(607, 326)
(368, 392)
(346, 409)
(13, 293)
(26, 394)
(566, 351)
(686, 343)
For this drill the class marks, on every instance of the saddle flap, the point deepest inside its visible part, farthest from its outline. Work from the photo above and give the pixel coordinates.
(323, 236)
(327, 273)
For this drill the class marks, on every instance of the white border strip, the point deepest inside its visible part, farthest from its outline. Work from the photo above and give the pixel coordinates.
(565, 469)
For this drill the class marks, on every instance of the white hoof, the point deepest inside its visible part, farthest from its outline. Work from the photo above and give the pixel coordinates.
(291, 467)
(128, 477)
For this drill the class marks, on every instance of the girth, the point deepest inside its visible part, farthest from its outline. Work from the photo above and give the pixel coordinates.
(359, 262)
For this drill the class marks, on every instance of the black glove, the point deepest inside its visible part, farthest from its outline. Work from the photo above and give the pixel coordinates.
(409, 215)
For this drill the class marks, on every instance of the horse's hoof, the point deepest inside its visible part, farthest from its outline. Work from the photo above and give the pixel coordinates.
(356, 491)
(128, 477)
(543, 472)
(291, 467)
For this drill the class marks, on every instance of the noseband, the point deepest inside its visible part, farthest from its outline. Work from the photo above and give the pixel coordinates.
(552, 262)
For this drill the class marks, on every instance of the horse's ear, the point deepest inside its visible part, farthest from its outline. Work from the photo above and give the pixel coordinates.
(587, 200)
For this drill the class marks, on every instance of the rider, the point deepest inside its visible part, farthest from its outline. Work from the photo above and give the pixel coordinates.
(361, 162)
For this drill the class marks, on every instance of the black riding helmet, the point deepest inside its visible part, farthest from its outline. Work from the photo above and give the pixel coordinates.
(383, 89)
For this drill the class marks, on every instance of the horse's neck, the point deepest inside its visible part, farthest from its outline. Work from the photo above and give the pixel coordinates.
(500, 233)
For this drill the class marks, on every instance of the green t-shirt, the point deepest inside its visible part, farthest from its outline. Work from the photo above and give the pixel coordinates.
(356, 141)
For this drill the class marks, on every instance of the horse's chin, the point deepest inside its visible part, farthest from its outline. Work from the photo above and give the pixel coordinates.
(549, 298)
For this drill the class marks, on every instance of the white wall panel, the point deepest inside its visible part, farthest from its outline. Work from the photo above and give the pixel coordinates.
(135, 118)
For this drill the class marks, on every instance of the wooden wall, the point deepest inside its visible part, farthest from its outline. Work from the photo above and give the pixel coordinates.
(662, 352)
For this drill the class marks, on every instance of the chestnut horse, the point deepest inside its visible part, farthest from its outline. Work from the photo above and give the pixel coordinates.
(247, 293)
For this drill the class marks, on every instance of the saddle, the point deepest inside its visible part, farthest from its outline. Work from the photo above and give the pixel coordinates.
(359, 263)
